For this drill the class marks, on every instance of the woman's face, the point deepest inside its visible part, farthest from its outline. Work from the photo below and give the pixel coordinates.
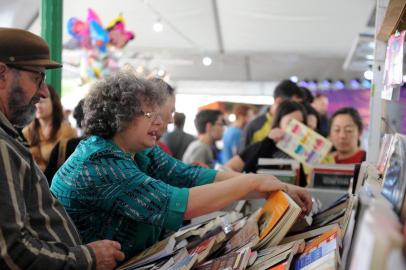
(344, 134)
(143, 130)
(44, 108)
(312, 121)
(286, 119)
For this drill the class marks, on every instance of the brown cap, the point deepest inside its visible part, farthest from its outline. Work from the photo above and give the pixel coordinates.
(23, 48)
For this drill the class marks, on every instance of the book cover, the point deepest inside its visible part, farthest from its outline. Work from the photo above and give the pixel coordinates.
(247, 235)
(274, 208)
(303, 144)
(159, 250)
(327, 246)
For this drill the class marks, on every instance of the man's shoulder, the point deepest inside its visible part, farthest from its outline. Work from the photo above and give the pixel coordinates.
(257, 121)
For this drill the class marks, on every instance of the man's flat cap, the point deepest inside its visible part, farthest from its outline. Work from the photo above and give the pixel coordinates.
(23, 48)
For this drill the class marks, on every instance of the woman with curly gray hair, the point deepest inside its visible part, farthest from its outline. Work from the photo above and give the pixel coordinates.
(109, 195)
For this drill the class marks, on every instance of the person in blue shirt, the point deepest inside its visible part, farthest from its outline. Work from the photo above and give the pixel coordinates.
(109, 196)
(232, 134)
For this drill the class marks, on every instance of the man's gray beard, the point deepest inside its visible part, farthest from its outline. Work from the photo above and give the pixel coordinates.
(20, 114)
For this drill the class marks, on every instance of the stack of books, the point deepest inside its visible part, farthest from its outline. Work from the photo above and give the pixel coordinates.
(274, 237)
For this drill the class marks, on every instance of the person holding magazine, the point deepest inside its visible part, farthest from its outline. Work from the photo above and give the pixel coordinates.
(108, 195)
(247, 160)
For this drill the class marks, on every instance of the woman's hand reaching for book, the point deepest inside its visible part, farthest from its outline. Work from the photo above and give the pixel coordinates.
(301, 196)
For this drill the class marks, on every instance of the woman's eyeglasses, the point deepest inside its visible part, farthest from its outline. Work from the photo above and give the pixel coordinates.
(41, 74)
(153, 116)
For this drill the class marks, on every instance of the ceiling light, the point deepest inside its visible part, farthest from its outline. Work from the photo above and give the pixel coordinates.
(207, 61)
(369, 75)
(294, 79)
(370, 56)
(161, 72)
(232, 117)
(158, 26)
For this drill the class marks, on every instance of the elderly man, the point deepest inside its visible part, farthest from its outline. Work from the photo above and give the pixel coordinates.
(35, 231)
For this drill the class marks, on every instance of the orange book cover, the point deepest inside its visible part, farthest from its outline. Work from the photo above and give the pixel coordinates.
(320, 239)
(274, 208)
(280, 266)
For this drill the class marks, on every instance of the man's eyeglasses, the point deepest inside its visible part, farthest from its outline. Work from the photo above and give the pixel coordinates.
(41, 74)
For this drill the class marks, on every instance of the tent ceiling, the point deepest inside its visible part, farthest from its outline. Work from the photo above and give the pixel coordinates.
(248, 40)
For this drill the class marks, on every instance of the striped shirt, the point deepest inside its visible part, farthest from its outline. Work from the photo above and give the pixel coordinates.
(109, 196)
(35, 230)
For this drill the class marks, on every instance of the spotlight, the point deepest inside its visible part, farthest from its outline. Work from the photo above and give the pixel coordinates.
(161, 72)
(339, 84)
(355, 83)
(158, 26)
(294, 79)
(303, 83)
(207, 61)
(369, 75)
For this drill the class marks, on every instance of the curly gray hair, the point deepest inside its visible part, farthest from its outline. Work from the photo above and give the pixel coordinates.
(114, 102)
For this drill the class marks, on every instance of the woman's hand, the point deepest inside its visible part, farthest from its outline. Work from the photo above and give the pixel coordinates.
(301, 196)
(276, 134)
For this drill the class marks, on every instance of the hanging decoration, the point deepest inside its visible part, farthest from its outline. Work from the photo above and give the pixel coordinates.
(100, 46)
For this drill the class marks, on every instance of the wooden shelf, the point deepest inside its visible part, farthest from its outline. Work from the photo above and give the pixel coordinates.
(395, 19)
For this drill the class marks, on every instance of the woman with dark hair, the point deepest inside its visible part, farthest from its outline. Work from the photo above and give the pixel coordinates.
(47, 129)
(110, 195)
(345, 134)
(65, 147)
(247, 160)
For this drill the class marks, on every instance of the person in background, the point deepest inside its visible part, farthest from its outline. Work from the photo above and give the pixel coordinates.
(169, 107)
(210, 127)
(36, 232)
(313, 117)
(65, 147)
(259, 127)
(232, 134)
(345, 134)
(307, 95)
(247, 160)
(110, 195)
(178, 140)
(320, 103)
(47, 129)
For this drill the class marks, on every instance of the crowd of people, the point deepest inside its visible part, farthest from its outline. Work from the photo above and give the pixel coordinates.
(89, 200)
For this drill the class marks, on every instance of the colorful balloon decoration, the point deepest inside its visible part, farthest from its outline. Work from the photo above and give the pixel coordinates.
(99, 45)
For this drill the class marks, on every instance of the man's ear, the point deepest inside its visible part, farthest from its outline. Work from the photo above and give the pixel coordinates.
(208, 127)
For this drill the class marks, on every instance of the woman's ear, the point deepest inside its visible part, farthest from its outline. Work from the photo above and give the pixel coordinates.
(3, 71)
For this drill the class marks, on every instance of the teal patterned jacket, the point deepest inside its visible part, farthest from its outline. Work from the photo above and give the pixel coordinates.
(108, 195)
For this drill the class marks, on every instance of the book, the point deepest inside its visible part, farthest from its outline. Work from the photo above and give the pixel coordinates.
(336, 176)
(309, 234)
(203, 249)
(304, 144)
(269, 257)
(394, 182)
(286, 170)
(159, 250)
(185, 263)
(232, 260)
(245, 237)
(275, 218)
